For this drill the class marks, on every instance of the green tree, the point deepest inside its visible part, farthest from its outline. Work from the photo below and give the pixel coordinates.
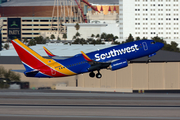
(103, 36)
(25, 40)
(174, 46)
(116, 43)
(58, 40)
(74, 37)
(78, 34)
(2, 71)
(92, 35)
(115, 37)
(97, 36)
(109, 37)
(96, 42)
(65, 36)
(6, 46)
(130, 39)
(144, 38)
(40, 40)
(52, 36)
(77, 26)
(80, 41)
(158, 39)
(138, 38)
(8, 74)
(47, 39)
(32, 42)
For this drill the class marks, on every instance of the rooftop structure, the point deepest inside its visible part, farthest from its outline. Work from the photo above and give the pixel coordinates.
(104, 2)
(30, 3)
(57, 49)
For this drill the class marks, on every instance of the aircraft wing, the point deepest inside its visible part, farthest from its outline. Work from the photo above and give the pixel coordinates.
(94, 64)
(51, 55)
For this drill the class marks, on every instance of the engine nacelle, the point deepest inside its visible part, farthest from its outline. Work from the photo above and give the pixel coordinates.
(118, 64)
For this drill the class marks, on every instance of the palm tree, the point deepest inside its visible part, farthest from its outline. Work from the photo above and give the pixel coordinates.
(77, 27)
(65, 36)
(52, 36)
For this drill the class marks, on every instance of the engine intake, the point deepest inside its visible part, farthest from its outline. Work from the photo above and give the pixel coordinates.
(118, 64)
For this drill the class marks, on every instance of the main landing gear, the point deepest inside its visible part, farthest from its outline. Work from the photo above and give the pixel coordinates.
(98, 75)
(148, 61)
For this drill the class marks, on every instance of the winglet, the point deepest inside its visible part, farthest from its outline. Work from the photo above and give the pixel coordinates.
(86, 57)
(48, 52)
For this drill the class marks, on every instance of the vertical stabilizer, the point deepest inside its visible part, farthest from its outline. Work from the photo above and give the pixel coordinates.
(29, 58)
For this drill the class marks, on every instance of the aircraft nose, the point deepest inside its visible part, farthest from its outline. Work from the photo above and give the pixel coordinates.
(160, 45)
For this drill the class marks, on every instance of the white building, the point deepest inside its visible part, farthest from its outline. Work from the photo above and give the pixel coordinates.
(107, 15)
(149, 18)
(86, 29)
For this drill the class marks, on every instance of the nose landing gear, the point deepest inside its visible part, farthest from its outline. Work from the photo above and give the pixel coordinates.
(98, 75)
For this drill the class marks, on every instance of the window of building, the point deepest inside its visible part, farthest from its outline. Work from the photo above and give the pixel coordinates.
(26, 20)
(44, 20)
(36, 20)
(26, 33)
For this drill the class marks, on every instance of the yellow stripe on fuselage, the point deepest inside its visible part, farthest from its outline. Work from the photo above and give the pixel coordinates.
(49, 62)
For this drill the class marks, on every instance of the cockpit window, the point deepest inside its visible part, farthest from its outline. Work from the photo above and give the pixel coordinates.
(153, 42)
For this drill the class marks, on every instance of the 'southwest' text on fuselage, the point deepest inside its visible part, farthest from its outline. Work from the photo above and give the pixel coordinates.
(113, 53)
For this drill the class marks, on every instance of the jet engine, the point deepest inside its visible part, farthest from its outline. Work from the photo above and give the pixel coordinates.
(118, 64)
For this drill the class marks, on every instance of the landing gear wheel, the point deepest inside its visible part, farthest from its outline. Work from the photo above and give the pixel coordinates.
(98, 75)
(148, 61)
(91, 74)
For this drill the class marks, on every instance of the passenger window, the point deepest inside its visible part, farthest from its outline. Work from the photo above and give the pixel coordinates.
(153, 42)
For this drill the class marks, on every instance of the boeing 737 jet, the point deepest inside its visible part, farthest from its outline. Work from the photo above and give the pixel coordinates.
(112, 58)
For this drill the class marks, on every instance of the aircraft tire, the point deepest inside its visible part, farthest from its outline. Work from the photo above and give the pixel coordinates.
(91, 74)
(98, 75)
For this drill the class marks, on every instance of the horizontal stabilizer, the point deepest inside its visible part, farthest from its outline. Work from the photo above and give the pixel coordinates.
(20, 71)
(31, 73)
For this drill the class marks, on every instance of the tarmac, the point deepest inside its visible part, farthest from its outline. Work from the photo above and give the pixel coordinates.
(79, 105)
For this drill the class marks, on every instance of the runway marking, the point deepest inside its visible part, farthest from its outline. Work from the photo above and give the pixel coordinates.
(115, 106)
(104, 117)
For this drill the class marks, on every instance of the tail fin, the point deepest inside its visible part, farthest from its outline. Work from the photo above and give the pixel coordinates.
(30, 59)
(48, 52)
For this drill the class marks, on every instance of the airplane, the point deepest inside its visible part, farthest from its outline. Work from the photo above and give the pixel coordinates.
(112, 58)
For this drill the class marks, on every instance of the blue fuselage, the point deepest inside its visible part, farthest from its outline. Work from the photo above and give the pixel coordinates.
(126, 51)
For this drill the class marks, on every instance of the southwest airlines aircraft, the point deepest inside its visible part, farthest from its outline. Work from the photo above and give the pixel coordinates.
(111, 58)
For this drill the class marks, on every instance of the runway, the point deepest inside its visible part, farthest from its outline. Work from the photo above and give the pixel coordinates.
(69, 105)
